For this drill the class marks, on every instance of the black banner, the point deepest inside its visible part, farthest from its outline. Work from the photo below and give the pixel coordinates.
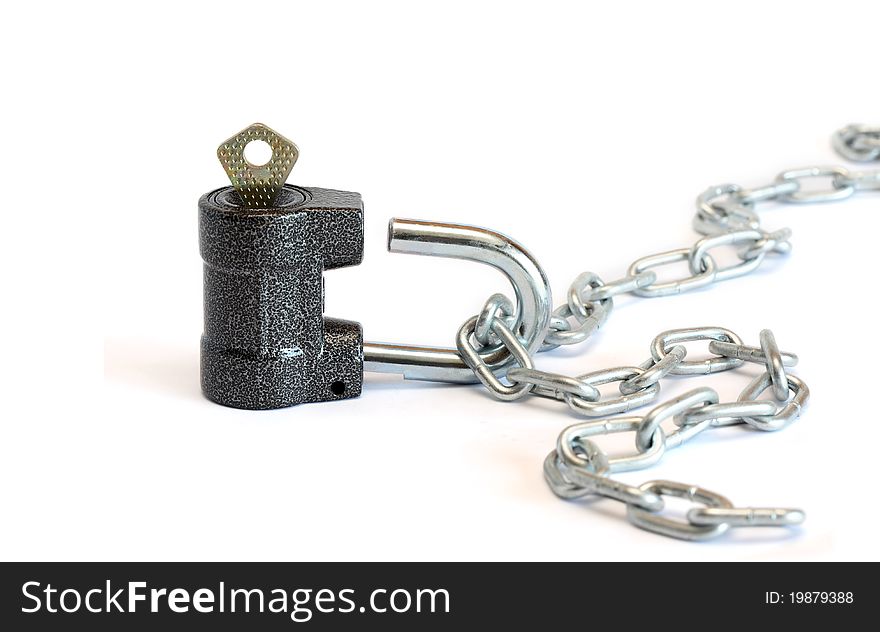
(425, 596)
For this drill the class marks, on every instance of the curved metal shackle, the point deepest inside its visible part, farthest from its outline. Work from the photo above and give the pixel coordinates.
(458, 241)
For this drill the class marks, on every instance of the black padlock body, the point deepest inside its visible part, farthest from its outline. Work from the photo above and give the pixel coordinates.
(266, 342)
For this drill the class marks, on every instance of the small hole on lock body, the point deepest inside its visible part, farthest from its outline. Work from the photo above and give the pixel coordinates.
(258, 153)
(338, 387)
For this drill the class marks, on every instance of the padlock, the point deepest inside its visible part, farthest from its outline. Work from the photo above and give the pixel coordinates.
(266, 244)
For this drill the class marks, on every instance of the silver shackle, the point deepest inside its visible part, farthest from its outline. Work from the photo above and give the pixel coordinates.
(533, 304)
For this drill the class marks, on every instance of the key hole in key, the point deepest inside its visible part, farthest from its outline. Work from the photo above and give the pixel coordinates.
(258, 153)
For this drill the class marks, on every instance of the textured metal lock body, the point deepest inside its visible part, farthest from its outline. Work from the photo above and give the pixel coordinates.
(266, 342)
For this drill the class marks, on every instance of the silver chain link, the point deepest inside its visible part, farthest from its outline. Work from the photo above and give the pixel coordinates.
(578, 466)
(726, 217)
(858, 143)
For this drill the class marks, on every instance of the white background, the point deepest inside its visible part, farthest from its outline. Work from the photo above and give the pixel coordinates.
(584, 131)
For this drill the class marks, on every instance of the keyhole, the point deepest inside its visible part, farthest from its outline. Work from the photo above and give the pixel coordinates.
(258, 153)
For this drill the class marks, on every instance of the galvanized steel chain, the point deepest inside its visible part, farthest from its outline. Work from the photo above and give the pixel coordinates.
(726, 217)
(859, 143)
(578, 466)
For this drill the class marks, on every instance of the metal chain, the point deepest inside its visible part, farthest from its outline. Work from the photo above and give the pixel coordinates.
(579, 466)
(726, 217)
(859, 143)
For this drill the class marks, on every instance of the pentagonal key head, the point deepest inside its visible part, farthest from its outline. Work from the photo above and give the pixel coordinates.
(258, 185)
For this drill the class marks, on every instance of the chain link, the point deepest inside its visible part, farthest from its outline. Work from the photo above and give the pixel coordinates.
(579, 467)
(859, 143)
(726, 217)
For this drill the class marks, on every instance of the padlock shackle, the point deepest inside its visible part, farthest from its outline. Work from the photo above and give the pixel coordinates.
(434, 239)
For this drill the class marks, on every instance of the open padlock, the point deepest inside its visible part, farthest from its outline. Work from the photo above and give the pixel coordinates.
(265, 246)
(267, 344)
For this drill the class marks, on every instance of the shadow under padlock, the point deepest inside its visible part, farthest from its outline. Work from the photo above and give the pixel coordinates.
(265, 246)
